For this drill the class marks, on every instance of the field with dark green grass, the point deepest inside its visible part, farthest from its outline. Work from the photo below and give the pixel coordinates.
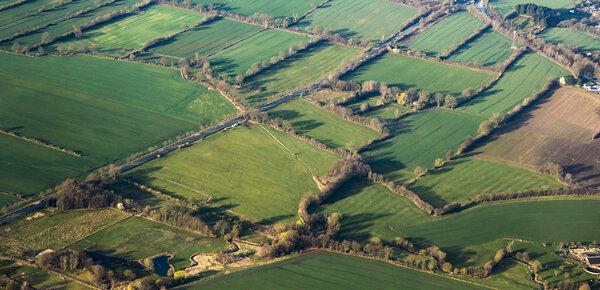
(505, 6)
(464, 178)
(367, 20)
(488, 49)
(407, 72)
(471, 237)
(275, 8)
(371, 210)
(302, 69)
(331, 271)
(418, 140)
(262, 46)
(582, 40)
(450, 31)
(206, 38)
(66, 24)
(133, 31)
(243, 169)
(326, 127)
(102, 108)
(522, 79)
(387, 113)
(137, 238)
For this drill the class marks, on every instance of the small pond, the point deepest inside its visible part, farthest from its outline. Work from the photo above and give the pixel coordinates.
(161, 265)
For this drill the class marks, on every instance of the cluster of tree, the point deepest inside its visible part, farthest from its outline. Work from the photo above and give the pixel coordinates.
(584, 24)
(541, 15)
(258, 67)
(401, 190)
(347, 114)
(487, 126)
(75, 261)
(72, 194)
(319, 31)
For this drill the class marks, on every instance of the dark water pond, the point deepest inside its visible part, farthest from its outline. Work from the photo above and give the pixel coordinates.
(161, 265)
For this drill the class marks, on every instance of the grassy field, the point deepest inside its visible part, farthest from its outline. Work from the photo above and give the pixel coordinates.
(471, 237)
(49, 17)
(324, 126)
(238, 58)
(206, 38)
(488, 49)
(301, 69)
(509, 274)
(450, 31)
(331, 271)
(133, 31)
(15, 13)
(418, 140)
(367, 20)
(98, 107)
(464, 178)
(7, 199)
(137, 238)
(275, 8)
(559, 129)
(505, 6)
(552, 262)
(387, 113)
(36, 277)
(523, 79)
(570, 37)
(407, 72)
(244, 169)
(319, 161)
(66, 25)
(61, 229)
(371, 210)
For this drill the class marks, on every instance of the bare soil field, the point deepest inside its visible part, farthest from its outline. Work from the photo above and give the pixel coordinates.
(559, 129)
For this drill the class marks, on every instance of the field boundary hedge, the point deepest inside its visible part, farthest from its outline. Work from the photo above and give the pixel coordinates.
(40, 142)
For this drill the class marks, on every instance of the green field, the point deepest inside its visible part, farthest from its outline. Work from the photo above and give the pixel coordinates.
(505, 6)
(367, 20)
(275, 8)
(509, 274)
(67, 25)
(59, 230)
(137, 238)
(387, 113)
(464, 178)
(98, 107)
(206, 38)
(15, 13)
(36, 277)
(418, 140)
(324, 126)
(244, 169)
(471, 237)
(407, 72)
(570, 37)
(49, 17)
(489, 49)
(523, 79)
(450, 31)
(135, 30)
(552, 262)
(7, 199)
(371, 210)
(302, 69)
(319, 161)
(331, 271)
(238, 58)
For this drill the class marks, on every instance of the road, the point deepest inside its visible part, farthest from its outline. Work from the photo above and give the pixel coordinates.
(223, 125)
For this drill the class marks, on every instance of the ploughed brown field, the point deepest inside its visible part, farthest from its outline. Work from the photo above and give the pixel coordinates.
(559, 129)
